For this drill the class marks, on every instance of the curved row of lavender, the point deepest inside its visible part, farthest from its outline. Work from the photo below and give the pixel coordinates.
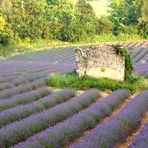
(24, 82)
(141, 69)
(17, 69)
(23, 79)
(63, 132)
(22, 88)
(116, 129)
(138, 51)
(136, 45)
(24, 98)
(20, 130)
(20, 77)
(141, 140)
(22, 111)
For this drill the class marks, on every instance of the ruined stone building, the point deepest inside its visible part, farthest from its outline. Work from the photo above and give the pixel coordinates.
(100, 61)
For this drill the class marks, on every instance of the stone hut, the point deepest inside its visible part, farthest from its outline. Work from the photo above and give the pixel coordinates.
(100, 61)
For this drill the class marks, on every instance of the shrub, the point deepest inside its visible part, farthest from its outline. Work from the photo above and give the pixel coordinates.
(63, 132)
(104, 25)
(72, 80)
(117, 128)
(18, 131)
(2, 23)
(128, 60)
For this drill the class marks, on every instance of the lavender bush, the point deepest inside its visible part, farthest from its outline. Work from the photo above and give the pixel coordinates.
(24, 98)
(63, 132)
(26, 78)
(22, 111)
(6, 79)
(109, 133)
(5, 85)
(141, 140)
(22, 88)
(141, 68)
(140, 55)
(18, 131)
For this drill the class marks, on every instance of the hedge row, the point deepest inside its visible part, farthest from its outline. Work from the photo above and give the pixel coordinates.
(18, 131)
(117, 128)
(62, 133)
(22, 111)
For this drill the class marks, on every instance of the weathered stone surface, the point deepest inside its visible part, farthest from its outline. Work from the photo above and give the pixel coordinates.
(100, 61)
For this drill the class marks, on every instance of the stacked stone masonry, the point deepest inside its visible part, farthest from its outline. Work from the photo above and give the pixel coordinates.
(100, 61)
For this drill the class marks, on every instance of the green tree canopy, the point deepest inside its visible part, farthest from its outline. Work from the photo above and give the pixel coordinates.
(143, 20)
(85, 20)
(124, 13)
(27, 18)
(61, 16)
(2, 23)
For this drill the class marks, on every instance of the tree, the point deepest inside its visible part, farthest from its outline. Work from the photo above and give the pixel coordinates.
(6, 33)
(143, 20)
(27, 18)
(6, 5)
(2, 23)
(123, 14)
(104, 25)
(85, 20)
(61, 16)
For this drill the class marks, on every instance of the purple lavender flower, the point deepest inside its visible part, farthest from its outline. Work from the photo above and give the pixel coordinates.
(24, 98)
(22, 111)
(22, 88)
(18, 131)
(141, 140)
(63, 132)
(115, 129)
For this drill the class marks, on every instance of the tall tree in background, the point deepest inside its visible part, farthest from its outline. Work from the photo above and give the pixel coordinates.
(6, 32)
(27, 18)
(86, 20)
(2, 23)
(124, 15)
(103, 25)
(6, 5)
(61, 16)
(143, 20)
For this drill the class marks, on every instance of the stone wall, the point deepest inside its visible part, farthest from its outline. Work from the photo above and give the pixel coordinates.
(100, 61)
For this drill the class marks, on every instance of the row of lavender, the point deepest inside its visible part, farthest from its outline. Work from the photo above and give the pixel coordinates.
(24, 98)
(141, 140)
(16, 68)
(22, 88)
(136, 45)
(138, 51)
(66, 54)
(28, 79)
(141, 69)
(17, 131)
(117, 128)
(22, 111)
(140, 55)
(63, 132)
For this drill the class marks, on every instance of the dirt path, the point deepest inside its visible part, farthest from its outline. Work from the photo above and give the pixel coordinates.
(121, 106)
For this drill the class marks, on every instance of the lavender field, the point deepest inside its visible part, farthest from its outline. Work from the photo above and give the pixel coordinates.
(33, 115)
(59, 55)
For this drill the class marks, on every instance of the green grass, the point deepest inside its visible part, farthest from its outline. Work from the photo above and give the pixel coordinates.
(72, 80)
(120, 38)
(27, 46)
